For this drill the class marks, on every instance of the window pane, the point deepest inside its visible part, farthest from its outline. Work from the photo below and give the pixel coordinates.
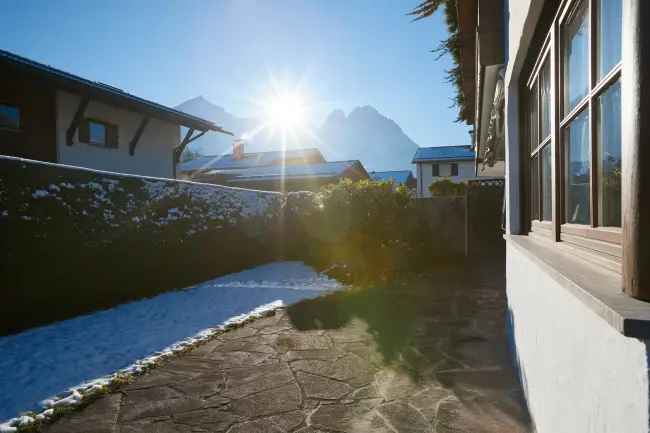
(97, 132)
(576, 144)
(545, 99)
(609, 156)
(576, 58)
(435, 170)
(609, 35)
(534, 188)
(9, 116)
(532, 118)
(547, 185)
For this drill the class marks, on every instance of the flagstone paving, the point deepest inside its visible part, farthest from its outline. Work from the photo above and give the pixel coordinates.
(426, 354)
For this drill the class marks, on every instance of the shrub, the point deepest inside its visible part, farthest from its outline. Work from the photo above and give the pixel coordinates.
(445, 188)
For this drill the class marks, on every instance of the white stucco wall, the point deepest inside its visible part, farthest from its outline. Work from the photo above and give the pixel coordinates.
(580, 374)
(153, 153)
(425, 178)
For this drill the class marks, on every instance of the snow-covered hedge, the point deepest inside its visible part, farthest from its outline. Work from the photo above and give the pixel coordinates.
(74, 240)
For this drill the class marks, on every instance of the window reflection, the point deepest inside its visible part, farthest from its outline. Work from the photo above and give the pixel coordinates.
(547, 184)
(609, 35)
(576, 142)
(609, 156)
(576, 58)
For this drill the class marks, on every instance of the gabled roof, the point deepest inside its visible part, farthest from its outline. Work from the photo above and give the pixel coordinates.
(105, 92)
(444, 153)
(397, 176)
(319, 170)
(255, 159)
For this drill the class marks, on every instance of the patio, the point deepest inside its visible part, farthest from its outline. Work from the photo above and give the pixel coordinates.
(426, 353)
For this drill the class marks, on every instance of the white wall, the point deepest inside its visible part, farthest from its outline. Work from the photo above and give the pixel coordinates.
(425, 178)
(153, 153)
(581, 375)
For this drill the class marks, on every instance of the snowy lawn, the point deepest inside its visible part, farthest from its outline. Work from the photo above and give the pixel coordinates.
(42, 362)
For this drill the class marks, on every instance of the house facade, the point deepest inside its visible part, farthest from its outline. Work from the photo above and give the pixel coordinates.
(281, 170)
(455, 163)
(574, 116)
(51, 115)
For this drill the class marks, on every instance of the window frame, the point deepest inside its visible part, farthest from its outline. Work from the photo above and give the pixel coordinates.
(435, 169)
(451, 169)
(603, 240)
(20, 117)
(108, 127)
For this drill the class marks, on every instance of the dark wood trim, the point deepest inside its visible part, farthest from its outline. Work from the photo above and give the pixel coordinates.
(76, 120)
(635, 126)
(138, 134)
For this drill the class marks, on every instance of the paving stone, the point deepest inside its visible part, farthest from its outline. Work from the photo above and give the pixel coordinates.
(99, 417)
(163, 426)
(404, 418)
(241, 382)
(212, 420)
(427, 400)
(321, 387)
(348, 418)
(148, 406)
(241, 332)
(271, 402)
(240, 359)
(302, 341)
(393, 385)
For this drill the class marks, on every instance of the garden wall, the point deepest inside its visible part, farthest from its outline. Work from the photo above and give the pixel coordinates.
(74, 240)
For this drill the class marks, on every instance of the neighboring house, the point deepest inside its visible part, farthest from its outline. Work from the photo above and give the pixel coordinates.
(239, 159)
(401, 177)
(455, 163)
(576, 134)
(288, 170)
(51, 115)
(292, 177)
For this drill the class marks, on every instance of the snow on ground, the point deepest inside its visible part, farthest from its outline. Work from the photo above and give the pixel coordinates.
(43, 362)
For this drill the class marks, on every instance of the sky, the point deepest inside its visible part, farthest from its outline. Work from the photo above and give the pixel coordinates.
(340, 54)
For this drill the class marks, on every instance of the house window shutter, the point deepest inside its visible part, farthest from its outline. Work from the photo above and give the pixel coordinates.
(111, 136)
(84, 132)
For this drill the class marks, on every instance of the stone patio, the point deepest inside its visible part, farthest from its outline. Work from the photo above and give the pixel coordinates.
(419, 354)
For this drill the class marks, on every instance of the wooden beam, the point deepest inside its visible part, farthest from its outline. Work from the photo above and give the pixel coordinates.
(76, 120)
(635, 104)
(137, 135)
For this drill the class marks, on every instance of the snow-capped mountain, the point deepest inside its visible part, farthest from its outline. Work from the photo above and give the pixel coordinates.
(364, 134)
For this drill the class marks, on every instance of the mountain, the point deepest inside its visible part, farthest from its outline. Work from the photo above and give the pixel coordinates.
(364, 134)
(369, 136)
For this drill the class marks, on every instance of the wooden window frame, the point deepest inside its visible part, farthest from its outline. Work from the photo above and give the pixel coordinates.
(602, 240)
(20, 117)
(107, 127)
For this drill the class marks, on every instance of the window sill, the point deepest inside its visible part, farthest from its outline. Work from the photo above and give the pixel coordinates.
(597, 288)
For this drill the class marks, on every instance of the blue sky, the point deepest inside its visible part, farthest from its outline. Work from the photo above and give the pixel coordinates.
(343, 53)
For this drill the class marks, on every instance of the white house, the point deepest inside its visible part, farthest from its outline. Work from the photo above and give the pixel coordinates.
(455, 163)
(51, 115)
(576, 136)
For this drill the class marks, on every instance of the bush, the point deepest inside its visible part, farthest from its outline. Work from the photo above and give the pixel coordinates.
(445, 188)
(371, 227)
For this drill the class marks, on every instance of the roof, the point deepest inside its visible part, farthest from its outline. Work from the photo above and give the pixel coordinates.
(105, 92)
(324, 169)
(397, 176)
(444, 153)
(255, 159)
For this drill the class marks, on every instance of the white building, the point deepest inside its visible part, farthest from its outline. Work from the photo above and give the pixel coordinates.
(455, 163)
(576, 118)
(51, 115)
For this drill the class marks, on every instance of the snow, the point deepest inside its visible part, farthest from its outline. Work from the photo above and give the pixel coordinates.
(68, 356)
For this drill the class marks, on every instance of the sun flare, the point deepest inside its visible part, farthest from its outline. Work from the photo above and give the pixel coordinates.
(286, 111)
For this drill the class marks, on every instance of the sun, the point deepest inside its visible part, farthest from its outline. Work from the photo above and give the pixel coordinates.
(286, 111)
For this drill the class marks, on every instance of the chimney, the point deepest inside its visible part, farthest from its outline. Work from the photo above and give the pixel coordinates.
(238, 149)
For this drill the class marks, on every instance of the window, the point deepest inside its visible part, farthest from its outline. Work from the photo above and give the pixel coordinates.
(98, 133)
(9, 116)
(454, 169)
(577, 70)
(435, 170)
